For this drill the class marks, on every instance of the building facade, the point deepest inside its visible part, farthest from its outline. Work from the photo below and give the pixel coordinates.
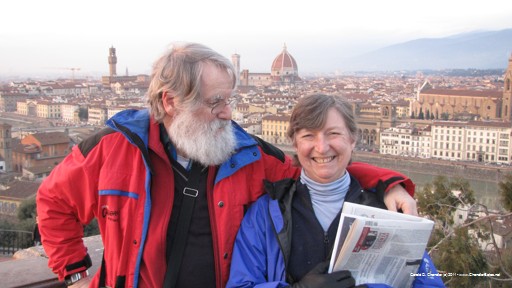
(40, 149)
(475, 141)
(273, 129)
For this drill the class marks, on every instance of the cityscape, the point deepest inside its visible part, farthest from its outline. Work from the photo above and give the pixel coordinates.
(457, 118)
(445, 119)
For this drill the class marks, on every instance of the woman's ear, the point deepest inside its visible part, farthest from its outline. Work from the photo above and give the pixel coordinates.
(168, 101)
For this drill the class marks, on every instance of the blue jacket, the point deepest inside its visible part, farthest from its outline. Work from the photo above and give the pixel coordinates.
(262, 243)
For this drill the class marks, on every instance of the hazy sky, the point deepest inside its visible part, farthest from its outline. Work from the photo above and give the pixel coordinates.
(38, 36)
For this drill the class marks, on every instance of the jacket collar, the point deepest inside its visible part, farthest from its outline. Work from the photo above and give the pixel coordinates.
(138, 122)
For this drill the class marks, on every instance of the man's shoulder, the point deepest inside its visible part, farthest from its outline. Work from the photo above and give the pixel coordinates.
(269, 149)
(246, 139)
(92, 141)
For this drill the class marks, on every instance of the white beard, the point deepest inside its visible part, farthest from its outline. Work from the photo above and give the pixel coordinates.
(209, 143)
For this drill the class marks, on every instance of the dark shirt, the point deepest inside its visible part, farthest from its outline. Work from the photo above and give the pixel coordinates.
(310, 244)
(197, 268)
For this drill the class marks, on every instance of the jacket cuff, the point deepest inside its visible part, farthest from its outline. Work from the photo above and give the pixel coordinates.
(79, 266)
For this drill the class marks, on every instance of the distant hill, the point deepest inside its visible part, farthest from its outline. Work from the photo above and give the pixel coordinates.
(479, 50)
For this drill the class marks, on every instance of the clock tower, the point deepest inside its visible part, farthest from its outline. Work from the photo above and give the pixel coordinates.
(112, 61)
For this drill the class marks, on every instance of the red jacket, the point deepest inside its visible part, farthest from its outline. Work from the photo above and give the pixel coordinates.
(110, 176)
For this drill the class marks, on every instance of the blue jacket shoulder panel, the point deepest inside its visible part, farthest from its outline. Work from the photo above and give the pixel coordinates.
(246, 153)
(256, 254)
(136, 121)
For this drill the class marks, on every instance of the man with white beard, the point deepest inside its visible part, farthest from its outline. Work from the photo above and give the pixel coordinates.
(169, 185)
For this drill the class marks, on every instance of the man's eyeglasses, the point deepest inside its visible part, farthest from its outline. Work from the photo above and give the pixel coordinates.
(220, 103)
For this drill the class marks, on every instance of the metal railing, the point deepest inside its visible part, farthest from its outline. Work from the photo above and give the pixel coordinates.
(14, 240)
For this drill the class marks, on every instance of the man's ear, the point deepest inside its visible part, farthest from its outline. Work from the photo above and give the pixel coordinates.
(168, 101)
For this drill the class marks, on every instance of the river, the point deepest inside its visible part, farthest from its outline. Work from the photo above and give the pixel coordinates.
(486, 192)
(482, 179)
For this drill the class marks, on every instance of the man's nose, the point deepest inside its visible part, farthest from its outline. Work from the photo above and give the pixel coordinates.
(225, 113)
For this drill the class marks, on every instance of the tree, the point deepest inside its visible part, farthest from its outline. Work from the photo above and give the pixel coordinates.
(27, 209)
(27, 218)
(453, 249)
(83, 114)
(92, 228)
(27, 214)
(505, 188)
(438, 202)
(460, 254)
(421, 115)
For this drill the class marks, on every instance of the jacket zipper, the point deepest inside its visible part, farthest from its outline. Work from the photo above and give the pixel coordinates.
(213, 224)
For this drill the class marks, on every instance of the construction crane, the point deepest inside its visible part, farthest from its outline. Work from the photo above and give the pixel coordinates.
(73, 69)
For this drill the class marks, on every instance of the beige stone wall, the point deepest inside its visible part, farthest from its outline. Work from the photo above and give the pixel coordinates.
(438, 104)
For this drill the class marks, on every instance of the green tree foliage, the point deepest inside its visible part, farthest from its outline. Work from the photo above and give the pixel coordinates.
(453, 249)
(420, 114)
(438, 202)
(505, 188)
(27, 214)
(27, 209)
(26, 219)
(83, 114)
(460, 254)
(92, 228)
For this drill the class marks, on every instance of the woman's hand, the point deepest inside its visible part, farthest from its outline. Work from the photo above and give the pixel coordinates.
(397, 198)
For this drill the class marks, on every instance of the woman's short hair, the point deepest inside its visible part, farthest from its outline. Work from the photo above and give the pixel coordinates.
(179, 70)
(310, 112)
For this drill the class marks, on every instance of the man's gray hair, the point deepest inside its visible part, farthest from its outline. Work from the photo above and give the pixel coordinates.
(179, 71)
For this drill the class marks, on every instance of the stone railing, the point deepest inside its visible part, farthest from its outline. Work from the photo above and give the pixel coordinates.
(29, 267)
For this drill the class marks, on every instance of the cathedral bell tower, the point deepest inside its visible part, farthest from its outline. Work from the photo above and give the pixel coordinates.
(506, 105)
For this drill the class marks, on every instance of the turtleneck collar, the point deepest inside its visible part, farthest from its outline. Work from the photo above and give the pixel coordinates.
(327, 198)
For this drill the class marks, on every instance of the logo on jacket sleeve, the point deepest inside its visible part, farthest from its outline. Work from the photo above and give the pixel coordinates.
(111, 215)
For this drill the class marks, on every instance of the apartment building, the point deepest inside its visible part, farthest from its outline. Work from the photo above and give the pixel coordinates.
(476, 141)
(114, 110)
(13, 194)
(489, 142)
(406, 140)
(9, 100)
(448, 138)
(70, 112)
(98, 114)
(48, 109)
(27, 107)
(40, 149)
(273, 129)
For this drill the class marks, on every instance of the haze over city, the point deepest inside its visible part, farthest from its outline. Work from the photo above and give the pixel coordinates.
(44, 37)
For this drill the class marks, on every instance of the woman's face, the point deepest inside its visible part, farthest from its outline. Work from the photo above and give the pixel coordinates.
(325, 153)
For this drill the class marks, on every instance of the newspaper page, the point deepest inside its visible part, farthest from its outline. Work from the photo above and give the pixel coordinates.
(379, 246)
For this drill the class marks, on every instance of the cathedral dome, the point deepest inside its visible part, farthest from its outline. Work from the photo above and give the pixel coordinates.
(284, 68)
